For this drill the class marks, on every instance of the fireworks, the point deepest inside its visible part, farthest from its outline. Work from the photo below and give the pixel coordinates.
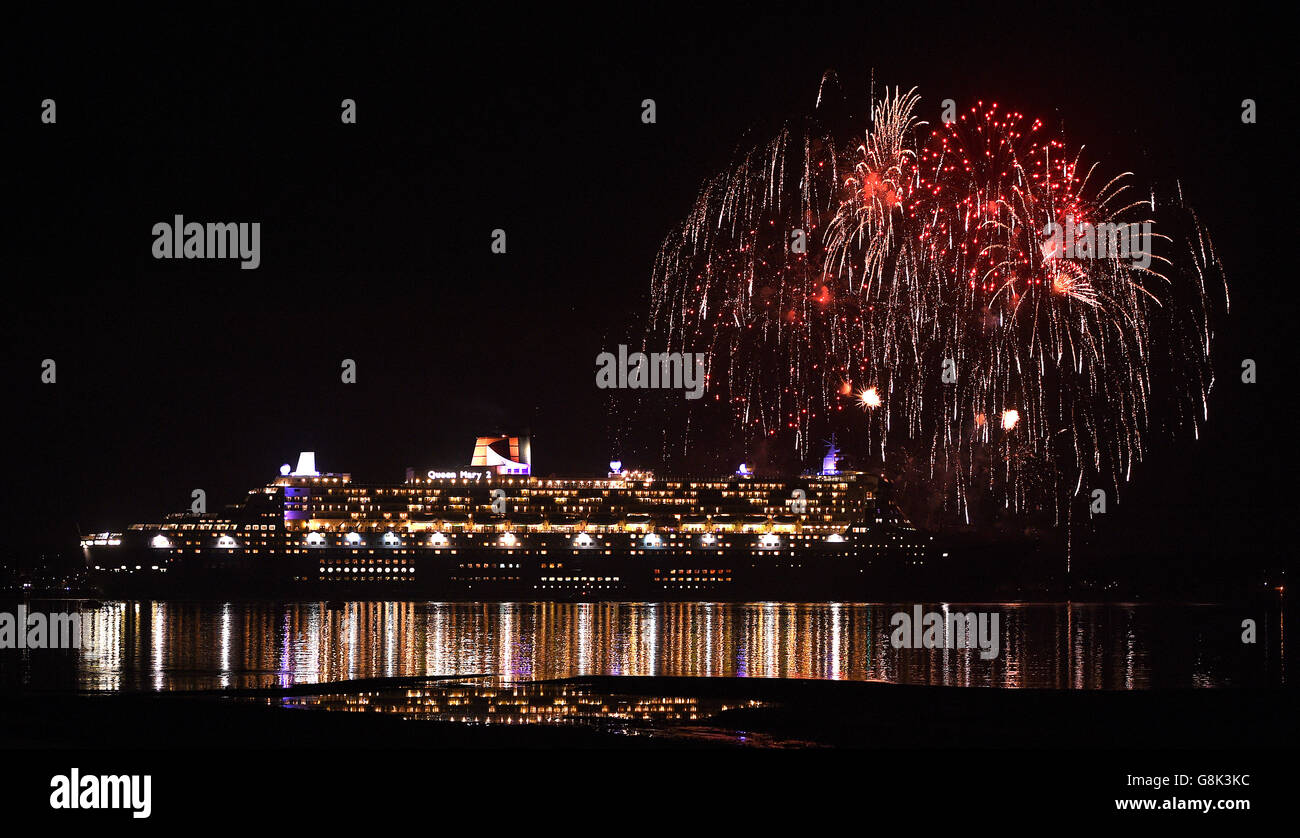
(941, 275)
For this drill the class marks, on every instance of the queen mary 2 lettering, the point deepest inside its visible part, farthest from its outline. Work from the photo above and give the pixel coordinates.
(496, 531)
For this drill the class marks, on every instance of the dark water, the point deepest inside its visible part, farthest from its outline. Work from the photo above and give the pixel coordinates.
(189, 645)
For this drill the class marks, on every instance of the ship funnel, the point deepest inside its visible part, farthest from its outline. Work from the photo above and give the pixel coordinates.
(306, 465)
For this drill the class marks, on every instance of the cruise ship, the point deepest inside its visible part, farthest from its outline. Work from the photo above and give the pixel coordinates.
(492, 530)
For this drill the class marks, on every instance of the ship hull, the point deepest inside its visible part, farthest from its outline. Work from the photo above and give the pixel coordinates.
(813, 575)
(486, 536)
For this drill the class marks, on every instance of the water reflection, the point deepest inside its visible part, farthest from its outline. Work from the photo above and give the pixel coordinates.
(168, 646)
(501, 701)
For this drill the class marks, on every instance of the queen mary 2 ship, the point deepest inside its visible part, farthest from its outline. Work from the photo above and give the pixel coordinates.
(493, 530)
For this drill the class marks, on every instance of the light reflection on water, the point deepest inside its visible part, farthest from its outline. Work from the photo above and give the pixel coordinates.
(502, 701)
(191, 645)
(499, 701)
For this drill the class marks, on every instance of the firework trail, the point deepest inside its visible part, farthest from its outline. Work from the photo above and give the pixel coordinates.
(936, 292)
(729, 282)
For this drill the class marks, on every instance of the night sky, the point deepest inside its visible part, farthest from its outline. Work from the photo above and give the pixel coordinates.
(177, 374)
